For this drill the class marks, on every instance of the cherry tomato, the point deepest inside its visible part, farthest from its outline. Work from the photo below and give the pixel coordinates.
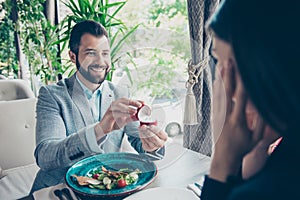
(121, 183)
(95, 176)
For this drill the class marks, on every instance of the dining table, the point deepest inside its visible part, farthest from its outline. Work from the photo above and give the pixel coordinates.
(179, 168)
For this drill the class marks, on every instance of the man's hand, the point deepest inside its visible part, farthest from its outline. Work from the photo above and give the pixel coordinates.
(152, 138)
(120, 113)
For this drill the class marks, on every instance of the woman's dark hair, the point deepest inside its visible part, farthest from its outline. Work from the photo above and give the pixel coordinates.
(265, 38)
(83, 27)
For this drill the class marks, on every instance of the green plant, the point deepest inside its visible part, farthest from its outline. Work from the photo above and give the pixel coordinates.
(8, 55)
(38, 41)
(160, 65)
(36, 36)
(157, 75)
(103, 12)
(160, 7)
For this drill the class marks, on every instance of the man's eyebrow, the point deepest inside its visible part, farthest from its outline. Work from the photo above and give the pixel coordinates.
(89, 49)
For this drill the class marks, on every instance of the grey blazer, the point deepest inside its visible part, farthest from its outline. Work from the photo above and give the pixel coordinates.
(65, 129)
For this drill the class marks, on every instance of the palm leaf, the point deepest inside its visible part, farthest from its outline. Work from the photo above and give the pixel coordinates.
(120, 43)
(82, 6)
(127, 70)
(95, 3)
(120, 4)
(72, 5)
(118, 24)
(91, 9)
(113, 38)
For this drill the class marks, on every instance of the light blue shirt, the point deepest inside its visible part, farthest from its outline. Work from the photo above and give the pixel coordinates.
(94, 99)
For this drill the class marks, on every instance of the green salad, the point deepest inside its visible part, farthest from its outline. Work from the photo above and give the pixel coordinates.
(105, 179)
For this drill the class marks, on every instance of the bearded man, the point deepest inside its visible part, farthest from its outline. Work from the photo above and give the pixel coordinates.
(85, 114)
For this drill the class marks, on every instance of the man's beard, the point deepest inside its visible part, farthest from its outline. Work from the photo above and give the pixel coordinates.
(88, 76)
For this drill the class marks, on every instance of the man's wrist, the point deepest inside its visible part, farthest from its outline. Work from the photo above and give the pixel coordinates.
(99, 133)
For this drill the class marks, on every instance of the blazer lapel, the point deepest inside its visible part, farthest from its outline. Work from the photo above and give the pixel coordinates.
(106, 98)
(77, 94)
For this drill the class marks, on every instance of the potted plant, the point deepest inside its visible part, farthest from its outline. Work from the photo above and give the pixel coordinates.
(27, 33)
(39, 39)
(103, 12)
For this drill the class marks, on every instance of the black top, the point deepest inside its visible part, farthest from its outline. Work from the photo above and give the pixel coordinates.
(278, 180)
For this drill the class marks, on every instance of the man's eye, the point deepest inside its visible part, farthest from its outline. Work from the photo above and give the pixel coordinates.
(105, 54)
(91, 53)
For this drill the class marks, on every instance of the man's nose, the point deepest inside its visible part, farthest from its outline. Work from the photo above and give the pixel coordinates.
(100, 59)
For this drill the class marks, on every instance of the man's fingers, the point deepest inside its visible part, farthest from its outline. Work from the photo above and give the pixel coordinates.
(149, 146)
(153, 139)
(121, 115)
(152, 143)
(125, 105)
(122, 108)
(153, 131)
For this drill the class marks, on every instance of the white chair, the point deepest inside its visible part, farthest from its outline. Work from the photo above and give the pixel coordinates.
(17, 138)
(15, 89)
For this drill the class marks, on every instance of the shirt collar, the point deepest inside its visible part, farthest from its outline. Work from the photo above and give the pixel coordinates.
(88, 93)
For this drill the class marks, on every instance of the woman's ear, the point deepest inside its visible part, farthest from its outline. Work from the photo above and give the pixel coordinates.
(72, 56)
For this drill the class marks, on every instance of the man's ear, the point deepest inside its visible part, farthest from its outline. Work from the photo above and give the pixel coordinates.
(72, 56)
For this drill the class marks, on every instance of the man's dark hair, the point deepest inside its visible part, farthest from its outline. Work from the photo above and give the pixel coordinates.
(83, 27)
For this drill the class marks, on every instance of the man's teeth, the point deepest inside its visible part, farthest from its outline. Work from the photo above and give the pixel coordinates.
(97, 70)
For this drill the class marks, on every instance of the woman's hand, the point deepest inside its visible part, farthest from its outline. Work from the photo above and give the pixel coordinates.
(152, 137)
(235, 139)
(255, 160)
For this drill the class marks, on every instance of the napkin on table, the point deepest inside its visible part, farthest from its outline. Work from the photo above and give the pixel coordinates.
(2, 173)
(48, 193)
(196, 187)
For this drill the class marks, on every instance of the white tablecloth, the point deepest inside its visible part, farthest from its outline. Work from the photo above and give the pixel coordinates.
(179, 168)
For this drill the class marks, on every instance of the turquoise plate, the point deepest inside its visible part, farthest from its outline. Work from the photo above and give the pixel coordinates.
(111, 161)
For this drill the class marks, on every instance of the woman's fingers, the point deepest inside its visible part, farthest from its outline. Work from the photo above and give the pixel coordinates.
(259, 129)
(219, 105)
(227, 73)
(239, 112)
